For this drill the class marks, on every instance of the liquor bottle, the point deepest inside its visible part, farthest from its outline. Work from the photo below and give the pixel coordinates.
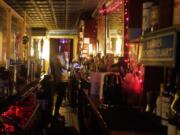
(154, 19)
(175, 105)
(166, 96)
(169, 87)
(174, 115)
(159, 101)
(146, 13)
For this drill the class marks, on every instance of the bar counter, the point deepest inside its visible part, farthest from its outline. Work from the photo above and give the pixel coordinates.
(123, 120)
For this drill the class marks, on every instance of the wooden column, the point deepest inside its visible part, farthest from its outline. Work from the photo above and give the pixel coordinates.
(9, 13)
(8, 36)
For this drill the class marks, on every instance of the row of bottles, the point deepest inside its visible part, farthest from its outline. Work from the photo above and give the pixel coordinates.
(174, 117)
(168, 102)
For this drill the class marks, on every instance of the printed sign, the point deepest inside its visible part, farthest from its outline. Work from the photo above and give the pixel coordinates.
(159, 49)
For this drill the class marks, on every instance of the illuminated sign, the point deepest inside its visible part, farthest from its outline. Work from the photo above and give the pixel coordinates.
(112, 6)
(61, 32)
(160, 49)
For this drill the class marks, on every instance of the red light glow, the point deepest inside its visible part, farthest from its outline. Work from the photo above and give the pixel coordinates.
(132, 83)
(19, 112)
(10, 128)
(111, 8)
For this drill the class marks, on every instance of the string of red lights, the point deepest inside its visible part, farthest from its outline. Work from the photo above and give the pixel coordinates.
(111, 8)
(126, 27)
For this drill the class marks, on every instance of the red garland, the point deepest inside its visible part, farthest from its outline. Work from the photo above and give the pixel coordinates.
(112, 7)
(126, 24)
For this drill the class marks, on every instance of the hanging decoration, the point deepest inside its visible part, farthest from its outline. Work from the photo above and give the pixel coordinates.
(17, 44)
(133, 79)
(25, 39)
(111, 8)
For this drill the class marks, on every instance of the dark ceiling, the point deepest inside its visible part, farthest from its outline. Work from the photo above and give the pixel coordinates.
(53, 14)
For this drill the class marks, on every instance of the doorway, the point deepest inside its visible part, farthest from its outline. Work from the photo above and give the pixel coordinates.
(61, 44)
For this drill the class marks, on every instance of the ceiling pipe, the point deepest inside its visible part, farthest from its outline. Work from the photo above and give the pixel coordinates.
(53, 12)
(66, 13)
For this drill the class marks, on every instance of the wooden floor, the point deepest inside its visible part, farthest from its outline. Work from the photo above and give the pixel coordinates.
(71, 125)
(70, 114)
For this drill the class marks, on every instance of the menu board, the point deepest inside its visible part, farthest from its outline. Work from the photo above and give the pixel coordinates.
(160, 49)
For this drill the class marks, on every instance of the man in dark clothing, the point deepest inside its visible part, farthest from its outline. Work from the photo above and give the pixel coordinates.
(59, 72)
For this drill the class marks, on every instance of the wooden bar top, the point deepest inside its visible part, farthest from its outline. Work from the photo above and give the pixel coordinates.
(123, 119)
